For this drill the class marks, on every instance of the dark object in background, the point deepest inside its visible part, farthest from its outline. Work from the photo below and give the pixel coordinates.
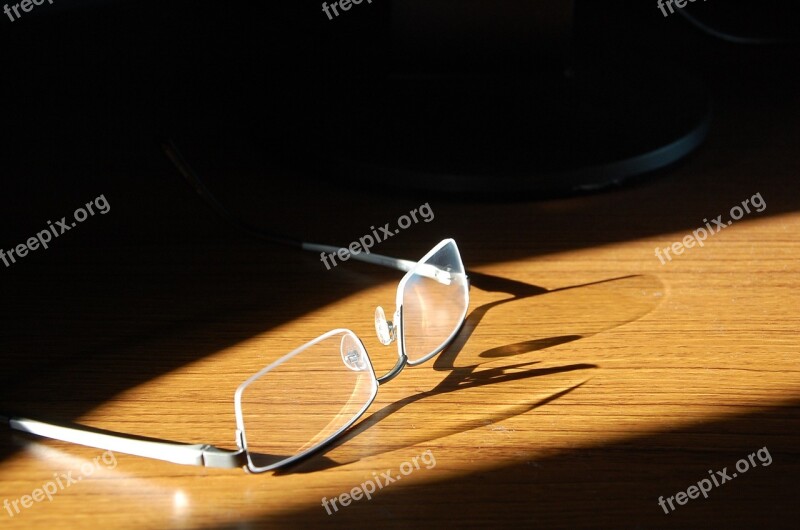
(494, 98)
(742, 22)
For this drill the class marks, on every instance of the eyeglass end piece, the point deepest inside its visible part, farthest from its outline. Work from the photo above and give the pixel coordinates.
(222, 458)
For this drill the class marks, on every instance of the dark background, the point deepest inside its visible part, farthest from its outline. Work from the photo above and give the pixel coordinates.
(93, 88)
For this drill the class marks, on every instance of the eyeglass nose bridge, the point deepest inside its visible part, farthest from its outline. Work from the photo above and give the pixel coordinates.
(385, 329)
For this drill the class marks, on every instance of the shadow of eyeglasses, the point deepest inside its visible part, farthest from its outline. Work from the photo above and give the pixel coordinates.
(465, 377)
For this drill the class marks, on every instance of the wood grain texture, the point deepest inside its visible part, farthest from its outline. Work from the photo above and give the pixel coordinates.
(589, 379)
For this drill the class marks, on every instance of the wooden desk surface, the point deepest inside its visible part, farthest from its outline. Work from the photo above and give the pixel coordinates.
(589, 379)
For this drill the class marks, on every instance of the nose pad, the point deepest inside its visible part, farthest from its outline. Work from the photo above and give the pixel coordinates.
(353, 354)
(385, 329)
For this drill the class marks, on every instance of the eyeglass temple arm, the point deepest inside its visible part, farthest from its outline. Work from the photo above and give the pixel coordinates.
(178, 453)
(424, 269)
(427, 270)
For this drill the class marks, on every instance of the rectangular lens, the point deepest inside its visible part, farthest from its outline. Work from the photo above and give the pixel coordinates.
(305, 399)
(435, 297)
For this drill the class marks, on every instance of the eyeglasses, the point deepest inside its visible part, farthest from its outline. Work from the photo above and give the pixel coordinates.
(308, 397)
(304, 400)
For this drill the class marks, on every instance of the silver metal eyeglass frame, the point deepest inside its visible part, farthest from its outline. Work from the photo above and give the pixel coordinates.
(210, 456)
